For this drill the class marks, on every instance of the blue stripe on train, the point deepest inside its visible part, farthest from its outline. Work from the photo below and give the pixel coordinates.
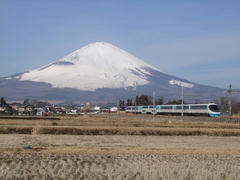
(214, 115)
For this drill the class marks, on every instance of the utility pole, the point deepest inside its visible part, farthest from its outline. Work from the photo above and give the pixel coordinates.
(182, 84)
(154, 111)
(118, 106)
(135, 101)
(230, 99)
(153, 98)
(231, 91)
(182, 101)
(135, 104)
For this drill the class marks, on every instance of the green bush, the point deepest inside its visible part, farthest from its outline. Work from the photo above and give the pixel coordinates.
(54, 124)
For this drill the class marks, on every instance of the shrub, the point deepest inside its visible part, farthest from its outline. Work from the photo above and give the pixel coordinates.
(54, 124)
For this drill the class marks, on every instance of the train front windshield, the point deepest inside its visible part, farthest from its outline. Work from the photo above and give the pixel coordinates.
(214, 108)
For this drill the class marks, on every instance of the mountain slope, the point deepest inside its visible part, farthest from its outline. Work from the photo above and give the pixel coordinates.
(97, 65)
(101, 73)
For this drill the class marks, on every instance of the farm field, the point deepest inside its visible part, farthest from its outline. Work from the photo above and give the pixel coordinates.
(121, 125)
(101, 153)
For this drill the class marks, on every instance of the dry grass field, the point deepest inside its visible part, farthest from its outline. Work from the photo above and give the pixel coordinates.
(121, 125)
(119, 147)
(117, 166)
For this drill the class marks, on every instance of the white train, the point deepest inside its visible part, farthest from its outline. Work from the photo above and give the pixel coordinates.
(210, 109)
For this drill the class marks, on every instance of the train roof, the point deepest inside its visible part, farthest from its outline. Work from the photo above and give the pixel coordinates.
(179, 104)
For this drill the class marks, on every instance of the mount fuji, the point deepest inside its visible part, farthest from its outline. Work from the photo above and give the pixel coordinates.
(97, 65)
(100, 73)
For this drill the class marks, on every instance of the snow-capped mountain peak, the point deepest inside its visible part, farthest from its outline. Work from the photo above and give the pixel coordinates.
(97, 65)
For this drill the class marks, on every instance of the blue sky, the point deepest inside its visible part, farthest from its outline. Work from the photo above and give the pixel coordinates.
(195, 40)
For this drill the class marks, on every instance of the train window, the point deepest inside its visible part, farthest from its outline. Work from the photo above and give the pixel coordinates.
(199, 107)
(152, 106)
(214, 108)
(145, 106)
(166, 107)
(178, 107)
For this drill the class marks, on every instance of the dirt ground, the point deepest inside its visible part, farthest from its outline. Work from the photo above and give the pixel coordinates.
(119, 157)
(50, 141)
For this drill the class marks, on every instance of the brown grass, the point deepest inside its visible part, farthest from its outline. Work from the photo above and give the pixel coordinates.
(15, 130)
(30, 117)
(132, 150)
(125, 121)
(38, 165)
(120, 131)
(36, 129)
(152, 154)
(121, 125)
(124, 150)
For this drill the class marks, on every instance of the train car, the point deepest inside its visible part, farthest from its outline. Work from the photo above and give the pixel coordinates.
(210, 109)
(149, 109)
(133, 109)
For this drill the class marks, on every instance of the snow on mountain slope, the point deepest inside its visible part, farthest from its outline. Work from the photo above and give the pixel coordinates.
(97, 65)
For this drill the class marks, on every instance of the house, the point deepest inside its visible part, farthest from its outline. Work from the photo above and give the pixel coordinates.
(39, 111)
(113, 109)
